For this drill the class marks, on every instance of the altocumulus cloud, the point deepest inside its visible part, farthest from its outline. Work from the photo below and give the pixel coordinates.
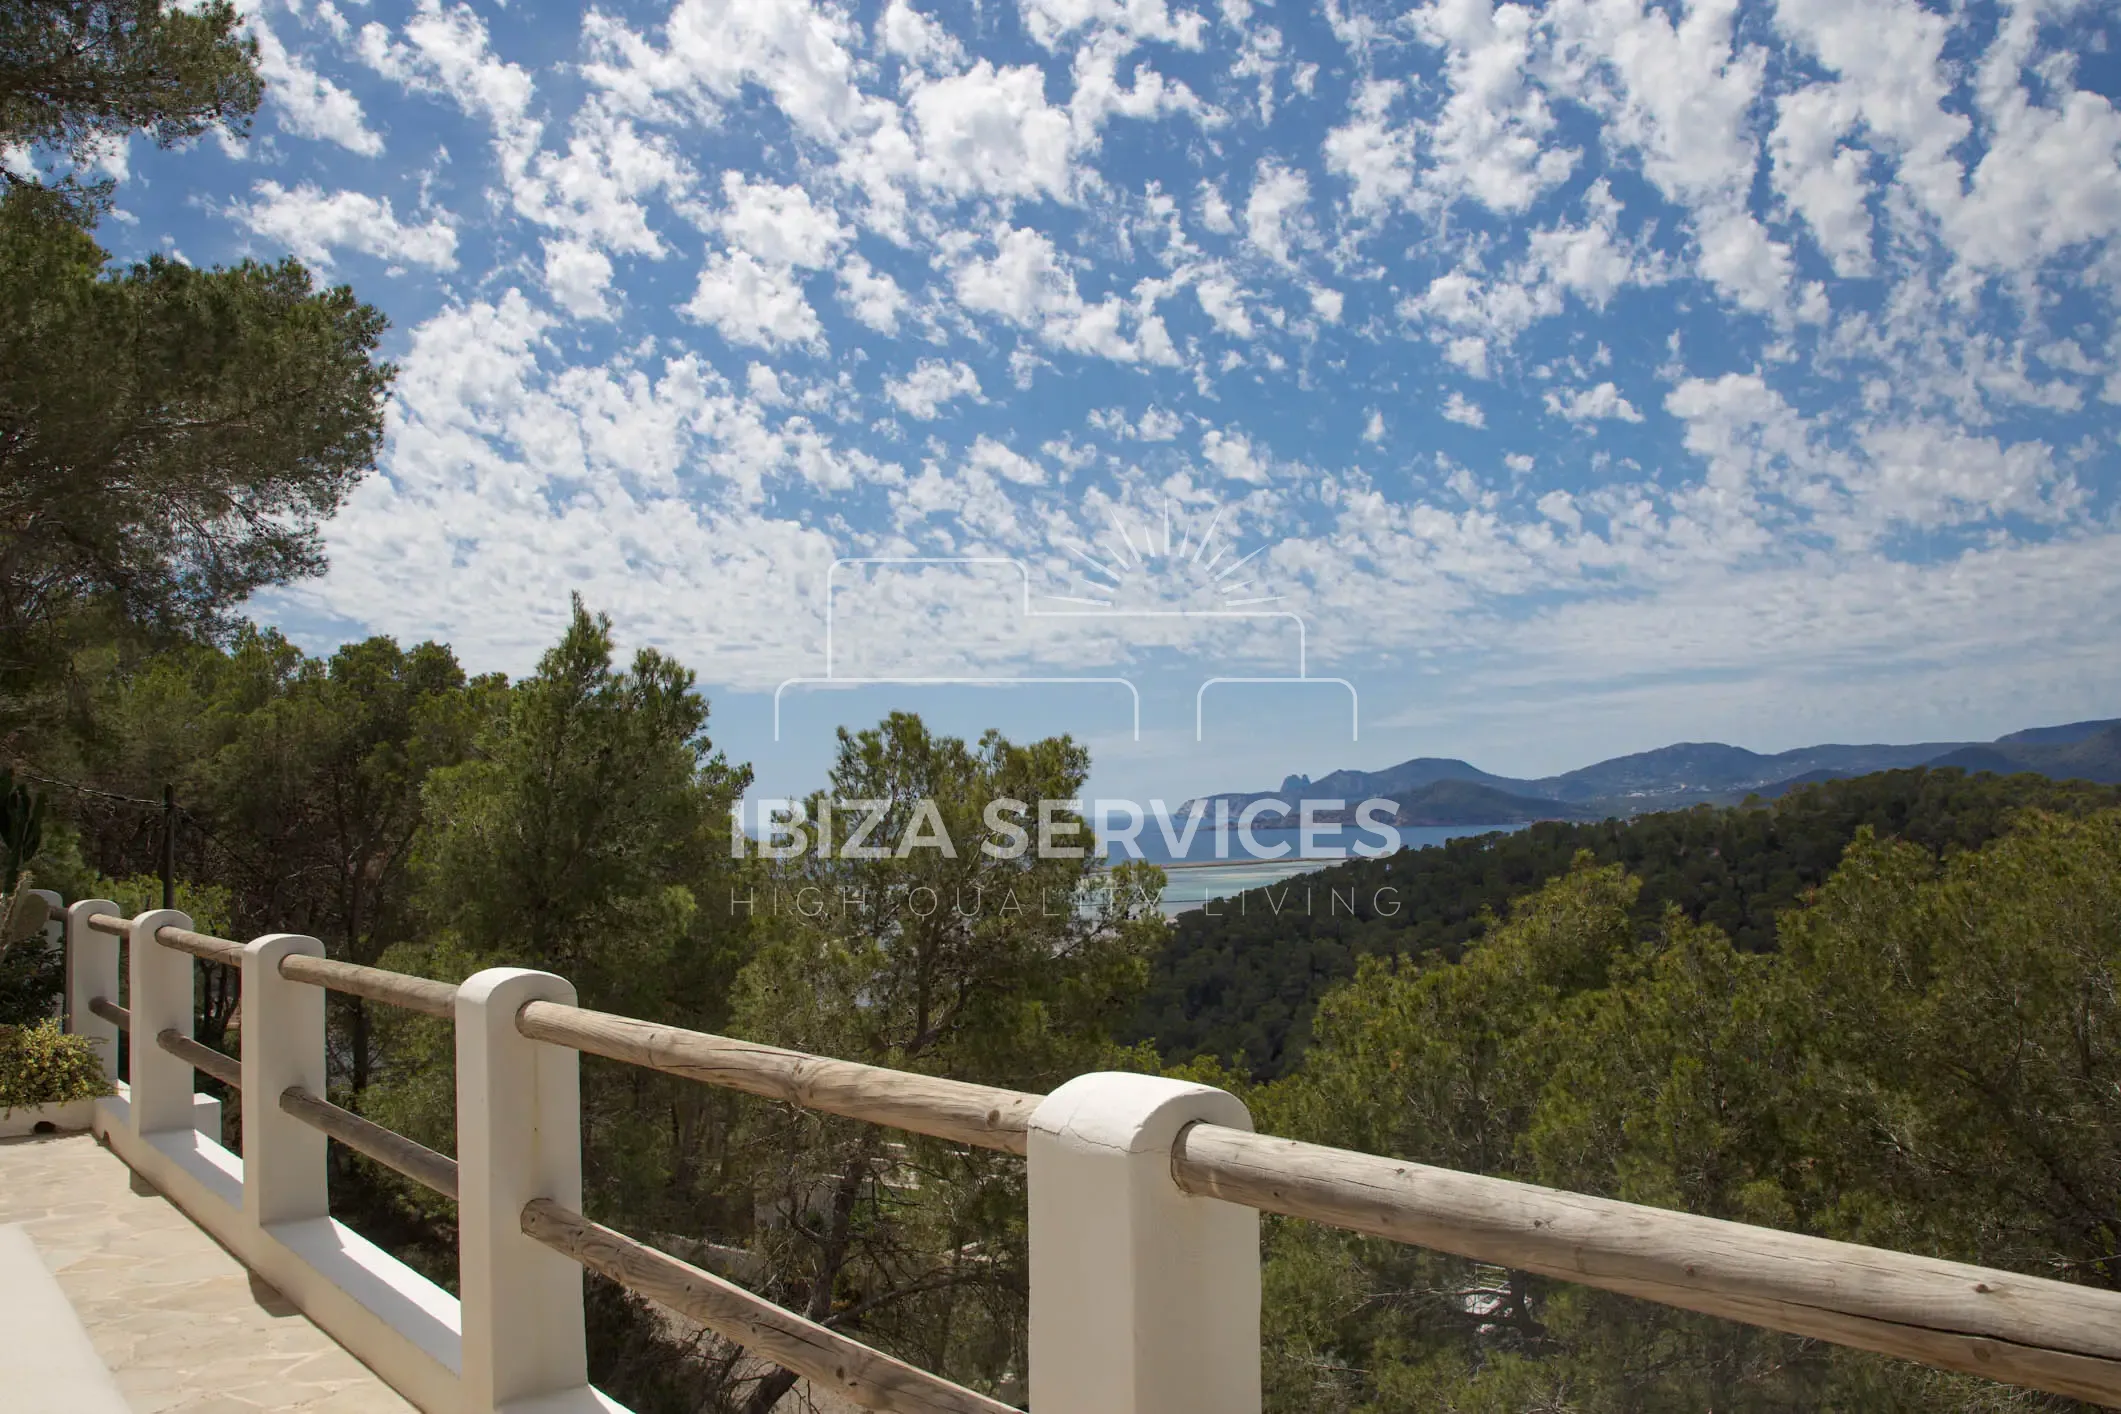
(1834, 285)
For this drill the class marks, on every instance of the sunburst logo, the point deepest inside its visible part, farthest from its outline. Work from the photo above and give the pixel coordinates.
(1172, 561)
(1171, 567)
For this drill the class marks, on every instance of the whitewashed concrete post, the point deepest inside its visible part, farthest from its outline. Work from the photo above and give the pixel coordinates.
(160, 1000)
(519, 1137)
(92, 971)
(1144, 1299)
(283, 1045)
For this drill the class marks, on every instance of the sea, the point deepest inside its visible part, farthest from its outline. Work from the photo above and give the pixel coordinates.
(1202, 872)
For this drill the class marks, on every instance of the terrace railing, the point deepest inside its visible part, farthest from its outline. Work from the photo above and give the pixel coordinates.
(1145, 1195)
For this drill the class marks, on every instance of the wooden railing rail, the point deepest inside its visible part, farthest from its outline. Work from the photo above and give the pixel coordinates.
(204, 1059)
(2030, 1331)
(110, 1011)
(202, 946)
(364, 1136)
(866, 1376)
(397, 989)
(979, 1115)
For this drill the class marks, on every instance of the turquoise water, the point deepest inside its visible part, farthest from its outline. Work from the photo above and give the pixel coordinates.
(1200, 877)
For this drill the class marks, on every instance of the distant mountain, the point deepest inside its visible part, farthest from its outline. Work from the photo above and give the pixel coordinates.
(2059, 736)
(2094, 756)
(1711, 768)
(1394, 782)
(1437, 790)
(1444, 802)
(1456, 802)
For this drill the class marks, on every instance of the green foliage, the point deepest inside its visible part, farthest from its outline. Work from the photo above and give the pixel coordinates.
(950, 962)
(1241, 984)
(77, 73)
(582, 833)
(21, 830)
(1931, 1061)
(170, 437)
(41, 1065)
(1966, 1035)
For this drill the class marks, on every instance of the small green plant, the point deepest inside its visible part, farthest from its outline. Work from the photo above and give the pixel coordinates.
(42, 1065)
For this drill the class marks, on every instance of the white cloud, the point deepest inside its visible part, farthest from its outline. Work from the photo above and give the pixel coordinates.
(1584, 405)
(1231, 454)
(753, 303)
(990, 132)
(778, 225)
(1214, 211)
(917, 38)
(1025, 283)
(1488, 142)
(1158, 425)
(578, 277)
(307, 104)
(1376, 158)
(1462, 410)
(1679, 96)
(1276, 218)
(448, 52)
(1373, 431)
(1560, 507)
(991, 456)
(870, 295)
(313, 223)
(1051, 21)
(595, 189)
(1821, 177)
(932, 383)
(1470, 313)
(1222, 299)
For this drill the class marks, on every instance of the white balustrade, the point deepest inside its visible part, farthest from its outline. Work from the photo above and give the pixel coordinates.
(1144, 1300)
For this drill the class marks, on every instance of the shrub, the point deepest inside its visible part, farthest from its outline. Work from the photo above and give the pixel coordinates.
(42, 1065)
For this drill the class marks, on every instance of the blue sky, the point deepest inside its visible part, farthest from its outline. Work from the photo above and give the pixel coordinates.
(1583, 376)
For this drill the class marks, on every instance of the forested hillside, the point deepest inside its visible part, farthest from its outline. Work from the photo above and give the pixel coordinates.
(1929, 1060)
(1241, 981)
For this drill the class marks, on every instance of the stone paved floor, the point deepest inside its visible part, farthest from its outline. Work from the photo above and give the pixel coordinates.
(183, 1326)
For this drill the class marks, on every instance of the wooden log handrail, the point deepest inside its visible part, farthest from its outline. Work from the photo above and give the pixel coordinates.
(397, 989)
(819, 1354)
(979, 1115)
(202, 1058)
(386, 1146)
(2030, 1331)
(118, 1016)
(203, 946)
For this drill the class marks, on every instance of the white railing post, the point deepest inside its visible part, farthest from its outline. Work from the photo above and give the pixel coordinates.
(92, 971)
(519, 1137)
(160, 1000)
(1144, 1299)
(283, 1045)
